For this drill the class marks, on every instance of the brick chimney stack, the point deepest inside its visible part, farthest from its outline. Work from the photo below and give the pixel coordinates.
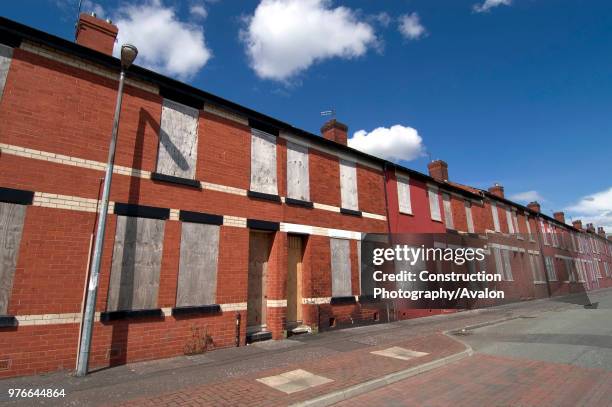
(577, 224)
(95, 33)
(560, 216)
(497, 190)
(590, 227)
(601, 232)
(534, 206)
(438, 170)
(335, 131)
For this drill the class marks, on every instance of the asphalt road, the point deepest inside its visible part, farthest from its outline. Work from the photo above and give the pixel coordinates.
(579, 335)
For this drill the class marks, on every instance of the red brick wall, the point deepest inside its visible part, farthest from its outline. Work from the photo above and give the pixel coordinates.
(324, 173)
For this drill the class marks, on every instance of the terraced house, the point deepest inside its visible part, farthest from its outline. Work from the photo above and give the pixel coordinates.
(225, 226)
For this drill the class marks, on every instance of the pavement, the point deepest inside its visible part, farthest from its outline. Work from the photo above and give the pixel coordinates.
(378, 363)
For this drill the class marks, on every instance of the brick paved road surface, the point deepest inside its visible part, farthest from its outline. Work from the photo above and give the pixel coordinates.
(485, 380)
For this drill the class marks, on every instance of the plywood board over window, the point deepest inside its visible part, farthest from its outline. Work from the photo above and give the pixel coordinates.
(434, 203)
(403, 195)
(448, 212)
(348, 185)
(263, 162)
(298, 181)
(6, 56)
(341, 267)
(134, 281)
(197, 281)
(11, 229)
(468, 216)
(178, 140)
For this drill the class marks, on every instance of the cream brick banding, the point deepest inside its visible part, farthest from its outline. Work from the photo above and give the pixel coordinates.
(133, 172)
(276, 303)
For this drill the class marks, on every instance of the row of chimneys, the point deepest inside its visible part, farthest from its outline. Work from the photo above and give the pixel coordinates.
(438, 170)
(100, 35)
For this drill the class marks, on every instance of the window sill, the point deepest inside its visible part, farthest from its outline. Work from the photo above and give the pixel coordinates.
(196, 310)
(406, 213)
(350, 212)
(350, 299)
(156, 176)
(8, 321)
(299, 202)
(263, 196)
(108, 316)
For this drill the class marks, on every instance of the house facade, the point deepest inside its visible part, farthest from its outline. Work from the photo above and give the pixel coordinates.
(225, 226)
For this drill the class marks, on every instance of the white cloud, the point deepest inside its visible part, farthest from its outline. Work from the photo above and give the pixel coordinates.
(410, 26)
(198, 11)
(382, 18)
(165, 43)
(595, 208)
(395, 143)
(285, 37)
(489, 4)
(527, 196)
(88, 6)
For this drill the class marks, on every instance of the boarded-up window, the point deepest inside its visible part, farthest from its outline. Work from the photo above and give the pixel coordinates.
(468, 216)
(341, 267)
(507, 266)
(297, 172)
(178, 140)
(348, 185)
(403, 195)
(434, 203)
(495, 217)
(448, 212)
(6, 55)
(263, 162)
(197, 281)
(509, 221)
(134, 281)
(528, 226)
(550, 268)
(11, 228)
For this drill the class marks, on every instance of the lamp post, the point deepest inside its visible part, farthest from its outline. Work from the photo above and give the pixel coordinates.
(128, 55)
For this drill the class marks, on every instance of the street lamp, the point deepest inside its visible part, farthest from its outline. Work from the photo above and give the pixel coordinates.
(128, 55)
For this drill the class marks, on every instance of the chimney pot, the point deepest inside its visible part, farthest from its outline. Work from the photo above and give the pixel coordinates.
(601, 232)
(560, 216)
(335, 131)
(577, 224)
(95, 33)
(497, 190)
(534, 206)
(438, 170)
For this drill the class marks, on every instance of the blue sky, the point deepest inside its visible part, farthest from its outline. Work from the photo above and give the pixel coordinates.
(511, 91)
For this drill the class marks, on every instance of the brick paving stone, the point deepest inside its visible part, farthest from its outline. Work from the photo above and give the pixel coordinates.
(484, 380)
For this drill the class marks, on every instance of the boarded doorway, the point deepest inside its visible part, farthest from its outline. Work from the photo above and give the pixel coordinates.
(294, 281)
(260, 244)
